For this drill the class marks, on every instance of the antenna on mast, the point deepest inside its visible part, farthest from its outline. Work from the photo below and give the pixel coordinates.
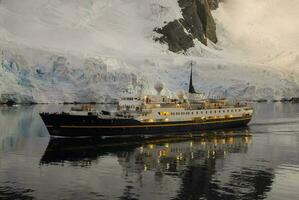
(2, 58)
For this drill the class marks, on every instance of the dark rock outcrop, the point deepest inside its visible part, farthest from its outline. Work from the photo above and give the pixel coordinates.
(175, 36)
(214, 4)
(197, 23)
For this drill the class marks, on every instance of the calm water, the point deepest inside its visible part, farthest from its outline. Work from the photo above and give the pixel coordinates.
(258, 162)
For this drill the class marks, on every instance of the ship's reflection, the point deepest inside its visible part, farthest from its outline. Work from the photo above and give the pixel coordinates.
(148, 149)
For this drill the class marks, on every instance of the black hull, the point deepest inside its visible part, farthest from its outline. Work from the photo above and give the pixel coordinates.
(65, 125)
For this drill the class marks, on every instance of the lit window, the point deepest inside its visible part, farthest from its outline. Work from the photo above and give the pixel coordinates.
(164, 113)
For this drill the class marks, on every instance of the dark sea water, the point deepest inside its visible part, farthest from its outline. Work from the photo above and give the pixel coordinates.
(257, 162)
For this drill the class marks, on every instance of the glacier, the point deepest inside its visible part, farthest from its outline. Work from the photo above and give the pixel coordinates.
(94, 51)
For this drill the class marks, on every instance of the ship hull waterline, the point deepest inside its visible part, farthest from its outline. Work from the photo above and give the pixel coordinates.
(78, 126)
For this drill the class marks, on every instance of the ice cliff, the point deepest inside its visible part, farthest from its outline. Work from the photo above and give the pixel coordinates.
(82, 51)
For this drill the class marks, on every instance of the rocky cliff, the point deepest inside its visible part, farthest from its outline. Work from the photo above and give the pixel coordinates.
(197, 23)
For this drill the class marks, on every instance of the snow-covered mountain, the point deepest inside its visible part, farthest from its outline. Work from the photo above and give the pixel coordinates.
(66, 51)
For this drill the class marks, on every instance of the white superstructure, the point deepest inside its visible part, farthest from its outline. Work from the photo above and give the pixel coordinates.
(155, 108)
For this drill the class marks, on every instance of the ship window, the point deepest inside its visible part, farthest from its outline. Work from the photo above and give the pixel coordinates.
(223, 111)
(239, 110)
(210, 112)
(201, 112)
(215, 111)
(232, 110)
(227, 110)
(206, 112)
(192, 113)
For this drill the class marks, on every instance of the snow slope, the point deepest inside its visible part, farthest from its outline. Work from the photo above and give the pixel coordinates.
(266, 31)
(66, 51)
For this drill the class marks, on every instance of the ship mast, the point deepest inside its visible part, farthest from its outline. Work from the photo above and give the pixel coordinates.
(191, 87)
(2, 59)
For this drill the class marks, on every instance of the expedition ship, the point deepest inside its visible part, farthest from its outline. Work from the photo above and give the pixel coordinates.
(150, 114)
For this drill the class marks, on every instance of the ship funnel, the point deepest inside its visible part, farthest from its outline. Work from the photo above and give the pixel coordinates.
(159, 87)
(191, 87)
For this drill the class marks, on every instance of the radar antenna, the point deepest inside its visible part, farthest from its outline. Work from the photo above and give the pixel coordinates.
(159, 87)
